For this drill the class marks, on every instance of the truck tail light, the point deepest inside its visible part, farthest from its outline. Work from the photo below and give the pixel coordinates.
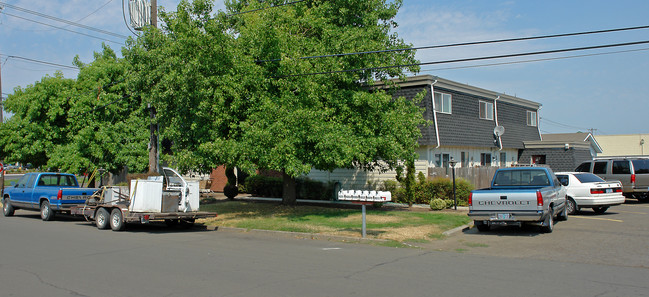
(633, 178)
(539, 198)
(470, 198)
(59, 195)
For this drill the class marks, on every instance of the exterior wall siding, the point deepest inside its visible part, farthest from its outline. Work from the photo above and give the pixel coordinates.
(557, 158)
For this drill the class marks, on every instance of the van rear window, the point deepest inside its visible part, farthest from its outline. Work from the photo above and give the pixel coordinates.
(641, 166)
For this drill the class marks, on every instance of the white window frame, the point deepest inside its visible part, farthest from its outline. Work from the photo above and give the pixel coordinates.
(488, 110)
(531, 118)
(444, 104)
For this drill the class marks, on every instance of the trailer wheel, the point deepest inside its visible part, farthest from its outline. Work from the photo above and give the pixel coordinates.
(117, 220)
(187, 223)
(7, 208)
(102, 218)
(171, 222)
(47, 214)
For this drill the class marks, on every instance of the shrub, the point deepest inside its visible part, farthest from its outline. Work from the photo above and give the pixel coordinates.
(265, 186)
(437, 204)
(230, 191)
(449, 202)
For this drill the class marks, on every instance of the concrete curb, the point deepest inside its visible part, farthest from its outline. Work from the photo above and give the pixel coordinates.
(454, 230)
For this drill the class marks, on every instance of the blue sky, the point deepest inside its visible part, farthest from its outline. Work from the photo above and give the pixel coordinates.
(605, 89)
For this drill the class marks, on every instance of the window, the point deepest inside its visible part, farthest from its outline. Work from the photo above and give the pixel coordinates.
(443, 102)
(563, 179)
(441, 160)
(600, 167)
(538, 159)
(503, 159)
(641, 166)
(531, 118)
(486, 110)
(584, 167)
(464, 159)
(621, 167)
(485, 159)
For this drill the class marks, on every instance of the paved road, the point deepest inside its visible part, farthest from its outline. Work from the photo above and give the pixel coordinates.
(618, 237)
(69, 257)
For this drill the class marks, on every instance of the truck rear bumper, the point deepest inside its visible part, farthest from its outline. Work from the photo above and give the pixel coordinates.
(506, 216)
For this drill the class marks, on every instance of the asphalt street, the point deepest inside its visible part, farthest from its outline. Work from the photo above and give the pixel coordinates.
(70, 257)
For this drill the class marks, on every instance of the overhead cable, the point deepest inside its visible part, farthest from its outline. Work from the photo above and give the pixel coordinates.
(468, 43)
(471, 59)
(40, 62)
(63, 20)
(64, 29)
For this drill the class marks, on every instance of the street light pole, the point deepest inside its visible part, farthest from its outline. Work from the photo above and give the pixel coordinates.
(452, 162)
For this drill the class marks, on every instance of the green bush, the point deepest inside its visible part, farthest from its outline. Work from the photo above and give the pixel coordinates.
(449, 202)
(264, 186)
(423, 191)
(437, 204)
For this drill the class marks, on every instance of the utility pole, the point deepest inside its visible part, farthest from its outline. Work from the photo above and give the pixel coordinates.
(153, 127)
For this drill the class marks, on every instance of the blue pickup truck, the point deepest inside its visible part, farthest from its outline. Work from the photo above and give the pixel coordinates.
(530, 195)
(50, 193)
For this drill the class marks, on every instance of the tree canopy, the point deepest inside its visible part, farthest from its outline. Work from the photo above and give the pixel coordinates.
(80, 124)
(235, 87)
(262, 85)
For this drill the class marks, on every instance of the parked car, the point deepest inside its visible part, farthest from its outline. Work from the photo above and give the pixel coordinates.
(587, 190)
(633, 173)
(519, 195)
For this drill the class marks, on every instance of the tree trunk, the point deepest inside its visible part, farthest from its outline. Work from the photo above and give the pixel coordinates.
(289, 196)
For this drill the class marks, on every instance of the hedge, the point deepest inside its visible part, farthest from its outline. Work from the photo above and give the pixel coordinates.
(264, 186)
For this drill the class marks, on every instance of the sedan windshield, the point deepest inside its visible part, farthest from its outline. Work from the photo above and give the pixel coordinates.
(588, 178)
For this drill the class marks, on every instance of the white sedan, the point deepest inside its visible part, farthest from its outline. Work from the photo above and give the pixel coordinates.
(586, 190)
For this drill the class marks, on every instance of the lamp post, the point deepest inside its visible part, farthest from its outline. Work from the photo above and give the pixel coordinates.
(452, 162)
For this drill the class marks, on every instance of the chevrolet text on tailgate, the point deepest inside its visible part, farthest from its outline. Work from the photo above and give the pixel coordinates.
(519, 195)
(50, 193)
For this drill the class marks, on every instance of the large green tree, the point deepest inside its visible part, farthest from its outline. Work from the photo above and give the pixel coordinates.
(235, 87)
(79, 124)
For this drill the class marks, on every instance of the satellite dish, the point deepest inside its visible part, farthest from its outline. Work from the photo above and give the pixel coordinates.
(499, 131)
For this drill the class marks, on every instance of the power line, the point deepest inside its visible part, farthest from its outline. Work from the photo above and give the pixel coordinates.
(469, 43)
(563, 125)
(535, 60)
(63, 20)
(39, 61)
(470, 59)
(61, 28)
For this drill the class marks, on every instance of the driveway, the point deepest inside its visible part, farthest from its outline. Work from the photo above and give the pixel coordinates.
(618, 237)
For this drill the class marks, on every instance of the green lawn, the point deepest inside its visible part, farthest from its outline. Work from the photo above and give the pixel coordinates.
(397, 225)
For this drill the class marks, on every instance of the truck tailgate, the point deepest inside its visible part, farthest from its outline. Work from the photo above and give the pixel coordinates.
(504, 200)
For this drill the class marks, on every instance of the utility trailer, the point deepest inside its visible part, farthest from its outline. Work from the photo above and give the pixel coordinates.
(168, 198)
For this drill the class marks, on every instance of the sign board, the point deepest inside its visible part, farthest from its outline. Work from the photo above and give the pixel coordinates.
(140, 11)
(370, 196)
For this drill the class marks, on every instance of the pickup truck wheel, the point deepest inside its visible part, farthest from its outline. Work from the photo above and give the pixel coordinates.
(563, 216)
(7, 209)
(101, 219)
(548, 223)
(600, 209)
(482, 227)
(47, 214)
(116, 220)
(571, 206)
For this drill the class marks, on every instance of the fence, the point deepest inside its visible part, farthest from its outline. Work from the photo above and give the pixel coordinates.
(480, 177)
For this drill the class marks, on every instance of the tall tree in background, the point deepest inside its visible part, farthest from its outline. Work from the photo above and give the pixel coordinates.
(78, 124)
(232, 88)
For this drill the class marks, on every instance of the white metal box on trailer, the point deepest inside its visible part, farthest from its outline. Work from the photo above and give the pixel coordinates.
(146, 196)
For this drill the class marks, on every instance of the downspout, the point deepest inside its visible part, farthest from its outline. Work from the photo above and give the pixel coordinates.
(500, 142)
(432, 98)
(538, 122)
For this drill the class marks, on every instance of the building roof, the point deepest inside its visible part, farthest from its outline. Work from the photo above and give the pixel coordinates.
(579, 139)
